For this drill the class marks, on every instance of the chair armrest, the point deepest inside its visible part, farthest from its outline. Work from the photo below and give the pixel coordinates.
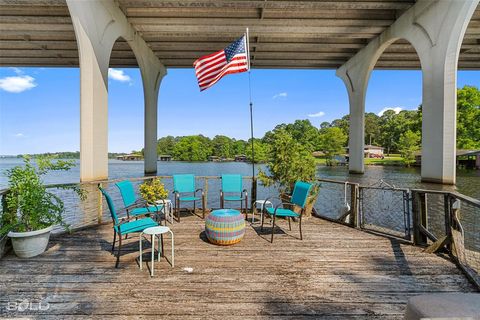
(244, 191)
(273, 197)
(137, 204)
(200, 189)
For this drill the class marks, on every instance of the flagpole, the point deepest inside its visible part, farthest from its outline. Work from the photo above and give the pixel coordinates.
(254, 189)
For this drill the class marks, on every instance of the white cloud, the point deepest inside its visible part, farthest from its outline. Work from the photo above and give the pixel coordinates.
(396, 109)
(317, 115)
(17, 84)
(118, 75)
(280, 95)
(19, 135)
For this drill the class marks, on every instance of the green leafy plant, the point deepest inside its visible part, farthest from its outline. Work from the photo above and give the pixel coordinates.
(289, 162)
(28, 204)
(153, 190)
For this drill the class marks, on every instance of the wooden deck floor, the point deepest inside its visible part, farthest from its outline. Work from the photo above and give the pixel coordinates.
(336, 272)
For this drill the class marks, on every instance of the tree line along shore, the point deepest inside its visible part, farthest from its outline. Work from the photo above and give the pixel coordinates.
(398, 133)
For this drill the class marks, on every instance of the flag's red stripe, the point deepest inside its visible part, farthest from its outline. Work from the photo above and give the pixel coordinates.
(217, 60)
(229, 72)
(238, 60)
(219, 64)
(221, 74)
(209, 72)
(235, 62)
(208, 57)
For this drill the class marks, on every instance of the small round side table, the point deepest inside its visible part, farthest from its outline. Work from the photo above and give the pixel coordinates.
(168, 210)
(156, 232)
(263, 204)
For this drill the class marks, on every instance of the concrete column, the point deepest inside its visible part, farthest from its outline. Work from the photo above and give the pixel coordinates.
(151, 84)
(95, 41)
(439, 103)
(356, 88)
(98, 24)
(356, 138)
(152, 71)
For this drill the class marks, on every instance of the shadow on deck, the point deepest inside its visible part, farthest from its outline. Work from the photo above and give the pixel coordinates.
(336, 272)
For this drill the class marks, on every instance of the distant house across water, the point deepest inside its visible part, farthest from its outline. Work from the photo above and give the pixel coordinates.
(241, 158)
(371, 151)
(130, 157)
(164, 157)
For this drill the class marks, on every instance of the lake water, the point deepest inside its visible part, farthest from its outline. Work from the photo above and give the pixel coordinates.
(468, 181)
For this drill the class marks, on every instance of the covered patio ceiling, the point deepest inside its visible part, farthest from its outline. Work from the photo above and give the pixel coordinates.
(284, 34)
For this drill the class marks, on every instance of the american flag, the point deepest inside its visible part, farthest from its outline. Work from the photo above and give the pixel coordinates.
(211, 68)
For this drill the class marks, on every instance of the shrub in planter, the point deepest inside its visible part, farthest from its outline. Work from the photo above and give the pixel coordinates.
(31, 210)
(153, 190)
(290, 162)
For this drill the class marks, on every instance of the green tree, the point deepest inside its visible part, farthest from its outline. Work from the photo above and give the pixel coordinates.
(223, 147)
(165, 145)
(239, 147)
(289, 162)
(468, 118)
(372, 128)
(331, 142)
(409, 143)
(388, 136)
(304, 132)
(262, 150)
(343, 123)
(192, 148)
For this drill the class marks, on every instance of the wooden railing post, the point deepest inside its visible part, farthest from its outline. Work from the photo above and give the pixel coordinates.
(354, 206)
(205, 190)
(420, 214)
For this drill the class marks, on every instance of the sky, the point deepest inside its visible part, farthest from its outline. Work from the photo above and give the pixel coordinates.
(40, 107)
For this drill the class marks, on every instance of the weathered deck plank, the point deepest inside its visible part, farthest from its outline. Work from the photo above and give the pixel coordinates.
(335, 272)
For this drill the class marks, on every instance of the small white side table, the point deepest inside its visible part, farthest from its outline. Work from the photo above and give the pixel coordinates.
(263, 204)
(168, 210)
(158, 233)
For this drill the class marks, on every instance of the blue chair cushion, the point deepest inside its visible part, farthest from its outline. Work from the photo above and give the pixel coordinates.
(136, 226)
(281, 212)
(143, 210)
(189, 198)
(233, 198)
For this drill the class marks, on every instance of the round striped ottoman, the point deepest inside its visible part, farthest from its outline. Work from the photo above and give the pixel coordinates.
(225, 227)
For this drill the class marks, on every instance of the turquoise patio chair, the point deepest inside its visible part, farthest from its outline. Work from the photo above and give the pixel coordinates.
(124, 227)
(136, 207)
(299, 198)
(184, 190)
(232, 184)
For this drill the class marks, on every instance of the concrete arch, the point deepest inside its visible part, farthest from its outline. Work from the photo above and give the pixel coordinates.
(435, 28)
(98, 25)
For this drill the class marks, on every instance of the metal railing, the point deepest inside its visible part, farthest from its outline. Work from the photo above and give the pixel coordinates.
(438, 220)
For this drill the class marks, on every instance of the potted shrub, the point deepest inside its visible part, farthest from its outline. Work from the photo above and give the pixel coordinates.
(30, 210)
(153, 190)
(290, 162)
